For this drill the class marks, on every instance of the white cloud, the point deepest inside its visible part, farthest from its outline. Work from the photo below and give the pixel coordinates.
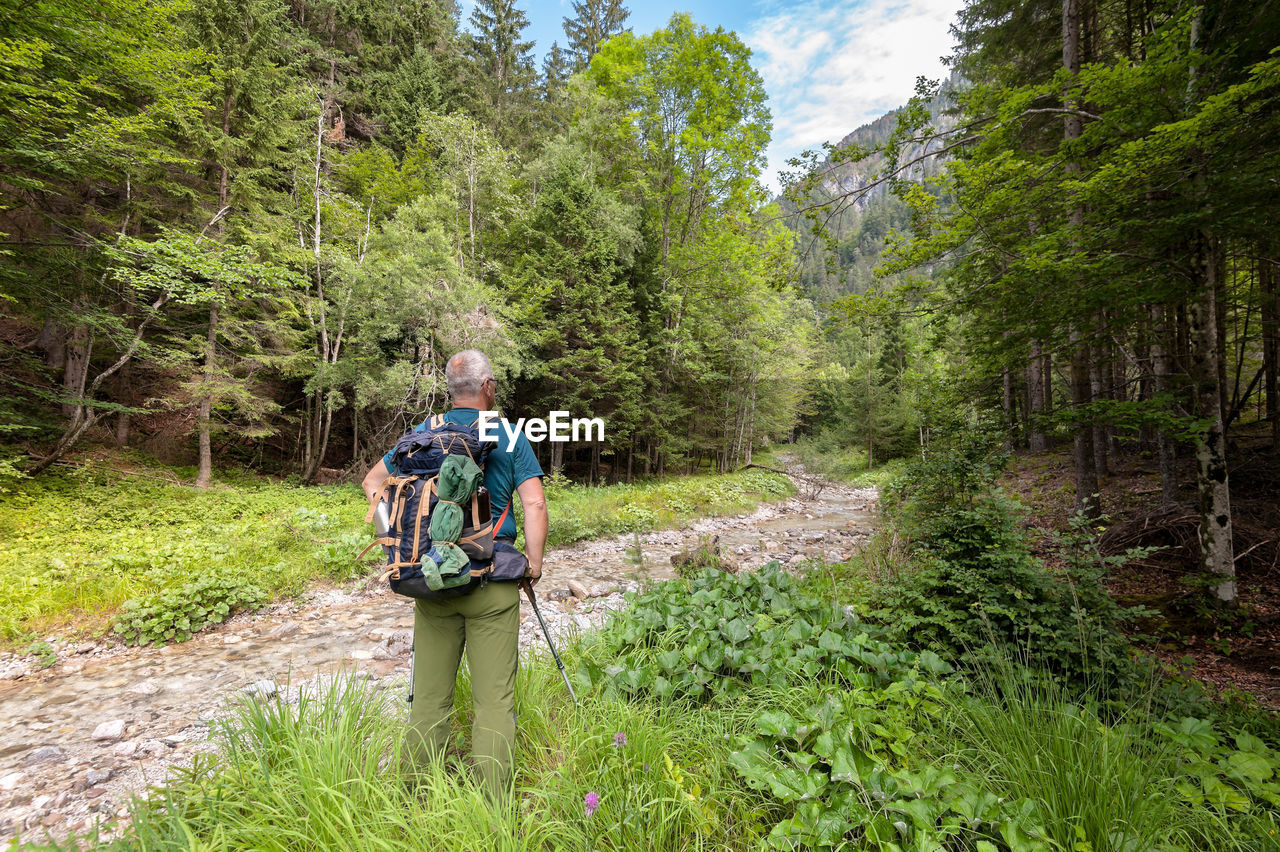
(830, 67)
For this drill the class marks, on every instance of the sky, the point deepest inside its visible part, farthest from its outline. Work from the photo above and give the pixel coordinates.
(829, 66)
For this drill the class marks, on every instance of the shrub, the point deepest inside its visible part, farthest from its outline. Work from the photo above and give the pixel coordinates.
(174, 615)
(976, 583)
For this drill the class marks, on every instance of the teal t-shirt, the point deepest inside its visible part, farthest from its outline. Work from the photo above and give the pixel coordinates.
(504, 470)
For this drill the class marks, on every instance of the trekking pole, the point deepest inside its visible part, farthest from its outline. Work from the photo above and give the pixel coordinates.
(409, 700)
(528, 590)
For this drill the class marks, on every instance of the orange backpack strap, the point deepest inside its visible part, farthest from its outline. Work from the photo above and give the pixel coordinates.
(501, 518)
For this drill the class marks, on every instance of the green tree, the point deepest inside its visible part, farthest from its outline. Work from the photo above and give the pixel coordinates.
(574, 302)
(256, 116)
(90, 95)
(502, 65)
(593, 22)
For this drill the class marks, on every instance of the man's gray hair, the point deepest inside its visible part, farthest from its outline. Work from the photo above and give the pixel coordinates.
(466, 372)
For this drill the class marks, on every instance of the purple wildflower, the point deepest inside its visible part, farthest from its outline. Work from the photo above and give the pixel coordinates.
(592, 801)
(619, 739)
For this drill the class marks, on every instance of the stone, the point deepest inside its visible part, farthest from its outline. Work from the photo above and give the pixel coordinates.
(126, 749)
(579, 589)
(51, 820)
(771, 546)
(835, 556)
(94, 792)
(150, 686)
(394, 646)
(285, 630)
(15, 671)
(44, 754)
(10, 781)
(797, 559)
(40, 801)
(109, 731)
(557, 595)
(261, 689)
(151, 748)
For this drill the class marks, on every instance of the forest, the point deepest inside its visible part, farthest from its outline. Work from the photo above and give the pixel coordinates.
(254, 230)
(938, 495)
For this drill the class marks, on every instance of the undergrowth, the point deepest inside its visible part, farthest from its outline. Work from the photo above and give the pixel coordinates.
(726, 712)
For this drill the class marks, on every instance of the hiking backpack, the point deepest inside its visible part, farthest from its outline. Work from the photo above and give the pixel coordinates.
(439, 540)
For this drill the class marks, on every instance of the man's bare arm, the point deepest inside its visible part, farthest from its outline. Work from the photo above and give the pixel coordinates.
(534, 502)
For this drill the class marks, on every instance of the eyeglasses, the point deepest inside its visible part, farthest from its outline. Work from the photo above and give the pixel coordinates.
(491, 380)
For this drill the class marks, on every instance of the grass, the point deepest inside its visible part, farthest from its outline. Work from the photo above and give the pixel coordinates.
(76, 546)
(326, 773)
(581, 513)
(843, 464)
(1104, 786)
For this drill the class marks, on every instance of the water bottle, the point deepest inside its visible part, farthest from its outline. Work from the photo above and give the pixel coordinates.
(382, 525)
(382, 519)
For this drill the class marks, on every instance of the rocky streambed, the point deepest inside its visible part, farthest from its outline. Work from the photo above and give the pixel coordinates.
(78, 738)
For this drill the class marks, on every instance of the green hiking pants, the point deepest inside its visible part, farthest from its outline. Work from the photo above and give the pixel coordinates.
(486, 622)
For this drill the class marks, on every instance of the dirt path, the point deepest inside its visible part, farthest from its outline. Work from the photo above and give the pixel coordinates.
(78, 738)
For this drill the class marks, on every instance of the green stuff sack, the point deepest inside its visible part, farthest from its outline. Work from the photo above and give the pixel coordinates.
(456, 484)
(453, 569)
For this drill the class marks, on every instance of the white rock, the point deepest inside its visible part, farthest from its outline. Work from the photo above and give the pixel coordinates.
(126, 749)
(94, 777)
(109, 731)
(11, 780)
(261, 689)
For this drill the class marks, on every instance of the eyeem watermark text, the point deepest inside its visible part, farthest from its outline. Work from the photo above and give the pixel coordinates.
(560, 427)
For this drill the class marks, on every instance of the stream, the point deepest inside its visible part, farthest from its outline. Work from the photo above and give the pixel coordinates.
(78, 738)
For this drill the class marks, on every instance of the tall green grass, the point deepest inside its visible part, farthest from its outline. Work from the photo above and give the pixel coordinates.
(327, 773)
(1102, 783)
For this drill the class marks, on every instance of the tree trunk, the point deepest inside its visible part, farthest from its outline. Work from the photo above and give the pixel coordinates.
(1271, 346)
(52, 341)
(123, 396)
(1086, 473)
(1036, 439)
(1216, 551)
(1010, 414)
(1097, 392)
(1162, 368)
(78, 349)
(205, 475)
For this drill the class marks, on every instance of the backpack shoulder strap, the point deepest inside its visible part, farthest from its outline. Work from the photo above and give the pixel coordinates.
(436, 421)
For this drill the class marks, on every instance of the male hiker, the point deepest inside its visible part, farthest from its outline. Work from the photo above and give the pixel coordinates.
(486, 621)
